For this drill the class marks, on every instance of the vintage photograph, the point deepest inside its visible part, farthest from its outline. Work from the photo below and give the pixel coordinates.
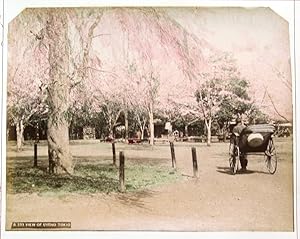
(149, 119)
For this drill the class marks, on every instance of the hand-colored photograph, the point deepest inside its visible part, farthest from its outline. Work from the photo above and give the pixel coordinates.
(149, 119)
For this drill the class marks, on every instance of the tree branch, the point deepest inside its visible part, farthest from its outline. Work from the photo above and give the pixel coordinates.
(275, 108)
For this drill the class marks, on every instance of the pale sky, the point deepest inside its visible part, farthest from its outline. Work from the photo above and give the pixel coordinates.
(259, 39)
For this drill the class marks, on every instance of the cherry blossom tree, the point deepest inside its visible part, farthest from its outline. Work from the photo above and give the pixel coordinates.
(24, 96)
(206, 90)
(123, 74)
(149, 84)
(171, 40)
(22, 103)
(62, 43)
(236, 104)
(212, 87)
(63, 70)
(105, 97)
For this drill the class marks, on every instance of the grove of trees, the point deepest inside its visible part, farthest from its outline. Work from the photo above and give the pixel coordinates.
(97, 67)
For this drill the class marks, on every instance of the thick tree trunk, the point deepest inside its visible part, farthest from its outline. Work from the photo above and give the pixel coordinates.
(20, 137)
(151, 124)
(58, 93)
(208, 127)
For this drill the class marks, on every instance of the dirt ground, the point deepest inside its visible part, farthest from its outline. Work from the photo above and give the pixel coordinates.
(216, 201)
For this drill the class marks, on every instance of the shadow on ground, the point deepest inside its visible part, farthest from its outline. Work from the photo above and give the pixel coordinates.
(227, 170)
(28, 180)
(135, 199)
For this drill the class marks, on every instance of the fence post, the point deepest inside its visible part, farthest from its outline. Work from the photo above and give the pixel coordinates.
(35, 155)
(195, 163)
(51, 163)
(122, 172)
(114, 152)
(173, 155)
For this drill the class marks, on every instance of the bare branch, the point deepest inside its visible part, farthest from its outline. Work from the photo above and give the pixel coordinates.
(275, 108)
(99, 35)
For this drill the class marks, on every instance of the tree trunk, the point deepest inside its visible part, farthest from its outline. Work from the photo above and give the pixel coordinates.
(224, 131)
(143, 130)
(151, 124)
(224, 136)
(186, 130)
(111, 129)
(142, 134)
(20, 132)
(58, 93)
(7, 133)
(142, 125)
(126, 125)
(208, 127)
(111, 133)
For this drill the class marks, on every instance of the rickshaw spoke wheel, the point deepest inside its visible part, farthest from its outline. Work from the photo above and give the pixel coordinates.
(271, 158)
(234, 159)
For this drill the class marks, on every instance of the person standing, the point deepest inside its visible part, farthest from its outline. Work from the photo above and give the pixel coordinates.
(237, 130)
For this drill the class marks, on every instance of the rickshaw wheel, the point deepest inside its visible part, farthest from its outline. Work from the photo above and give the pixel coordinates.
(234, 158)
(271, 158)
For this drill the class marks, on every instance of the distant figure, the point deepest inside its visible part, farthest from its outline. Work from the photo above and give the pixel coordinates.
(176, 134)
(237, 130)
(168, 127)
(286, 132)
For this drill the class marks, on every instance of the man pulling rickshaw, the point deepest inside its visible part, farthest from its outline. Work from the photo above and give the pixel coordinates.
(252, 139)
(236, 132)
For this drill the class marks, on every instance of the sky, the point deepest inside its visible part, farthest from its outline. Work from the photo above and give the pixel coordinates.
(259, 40)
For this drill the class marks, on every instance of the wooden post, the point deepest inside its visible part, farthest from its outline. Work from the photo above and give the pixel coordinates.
(37, 137)
(37, 134)
(35, 155)
(173, 155)
(114, 152)
(51, 162)
(195, 164)
(122, 172)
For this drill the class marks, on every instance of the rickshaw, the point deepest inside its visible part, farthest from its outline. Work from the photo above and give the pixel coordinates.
(255, 140)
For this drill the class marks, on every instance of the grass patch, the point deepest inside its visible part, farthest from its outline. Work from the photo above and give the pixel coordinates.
(88, 178)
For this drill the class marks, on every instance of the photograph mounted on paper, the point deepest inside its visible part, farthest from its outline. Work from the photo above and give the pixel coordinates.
(174, 118)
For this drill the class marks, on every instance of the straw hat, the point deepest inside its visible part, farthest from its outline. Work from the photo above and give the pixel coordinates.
(255, 139)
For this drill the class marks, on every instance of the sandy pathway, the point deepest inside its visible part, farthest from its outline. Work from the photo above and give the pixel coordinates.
(217, 201)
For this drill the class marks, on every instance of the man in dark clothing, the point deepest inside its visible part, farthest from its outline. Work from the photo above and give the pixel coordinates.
(237, 130)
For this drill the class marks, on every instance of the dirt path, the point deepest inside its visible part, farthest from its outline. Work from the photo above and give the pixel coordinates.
(217, 201)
